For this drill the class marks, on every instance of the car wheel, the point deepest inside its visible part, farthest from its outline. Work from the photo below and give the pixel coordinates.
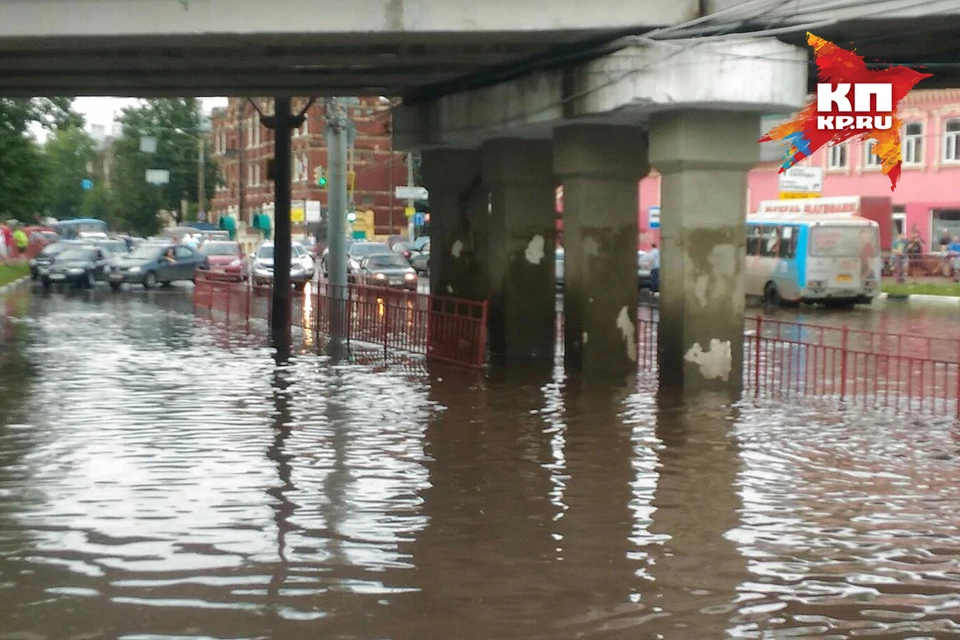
(115, 286)
(46, 284)
(150, 280)
(91, 280)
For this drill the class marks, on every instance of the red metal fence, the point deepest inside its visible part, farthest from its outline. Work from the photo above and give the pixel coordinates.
(870, 369)
(439, 328)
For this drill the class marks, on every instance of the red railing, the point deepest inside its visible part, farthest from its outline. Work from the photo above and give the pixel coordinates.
(439, 328)
(870, 369)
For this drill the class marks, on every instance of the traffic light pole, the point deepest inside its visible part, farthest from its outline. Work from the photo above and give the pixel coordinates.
(282, 122)
(337, 228)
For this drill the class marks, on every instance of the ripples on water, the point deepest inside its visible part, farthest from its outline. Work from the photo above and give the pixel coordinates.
(155, 483)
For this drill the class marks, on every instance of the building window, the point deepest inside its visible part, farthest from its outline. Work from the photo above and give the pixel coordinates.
(256, 175)
(870, 159)
(913, 143)
(256, 133)
(305, 165)
(951, 140)
(837, 156)
(250, 175)
(249, 133)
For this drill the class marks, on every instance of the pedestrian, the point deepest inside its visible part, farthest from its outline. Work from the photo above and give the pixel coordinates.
(945, 239)
(6, 241)
(901, 261)
(655, 269)
(21, 241)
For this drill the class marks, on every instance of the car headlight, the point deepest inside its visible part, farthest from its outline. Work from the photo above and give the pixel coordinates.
(380, 276)
(106, 268)
(33, 262)
(410, 276)
(75, 271)
(43, 271)
(135, 270)
(354, 264)
(235, 263)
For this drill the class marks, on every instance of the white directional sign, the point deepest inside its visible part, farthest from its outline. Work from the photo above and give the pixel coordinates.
(411, 193)
(800, 179)
(158, 176)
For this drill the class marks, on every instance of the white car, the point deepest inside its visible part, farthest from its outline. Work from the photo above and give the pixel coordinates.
(261, 264)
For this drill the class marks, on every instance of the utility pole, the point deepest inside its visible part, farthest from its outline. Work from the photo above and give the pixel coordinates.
(282, 122)
(336, 129)
(201, 175)
(411, 229)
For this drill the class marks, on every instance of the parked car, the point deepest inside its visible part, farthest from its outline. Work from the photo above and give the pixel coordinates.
(155, 263)
(420, 242)
(326, 252)
(387, 270)
(405, 249)
(360, 250)
(47, 255)
(225, 257)
(261, 264)
(80, 265)
(420, 260)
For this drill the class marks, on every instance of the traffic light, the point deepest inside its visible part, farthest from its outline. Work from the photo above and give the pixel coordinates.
(351, 217)
(320, 177)
(351, 181)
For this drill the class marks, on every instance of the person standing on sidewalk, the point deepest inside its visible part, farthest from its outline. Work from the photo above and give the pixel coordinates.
(900, 260)
(6, 242)
(655, 269)
(21, 241)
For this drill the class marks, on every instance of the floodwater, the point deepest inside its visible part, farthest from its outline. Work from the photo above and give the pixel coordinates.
(163, 479)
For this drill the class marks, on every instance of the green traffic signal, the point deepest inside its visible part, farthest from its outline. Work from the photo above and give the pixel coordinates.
(323, 181)
(352, 216)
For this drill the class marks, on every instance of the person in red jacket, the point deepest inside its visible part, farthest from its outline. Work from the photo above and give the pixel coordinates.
(6, 241)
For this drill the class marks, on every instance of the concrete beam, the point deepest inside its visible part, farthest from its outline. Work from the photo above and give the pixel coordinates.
(627, 87)
(361, 19)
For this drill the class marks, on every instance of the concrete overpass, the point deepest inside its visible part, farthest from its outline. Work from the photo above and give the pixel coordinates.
(506, 100)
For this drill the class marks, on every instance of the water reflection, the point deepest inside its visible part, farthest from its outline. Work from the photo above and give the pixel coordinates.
(154, 484)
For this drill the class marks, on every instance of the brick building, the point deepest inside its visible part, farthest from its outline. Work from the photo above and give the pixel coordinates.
(242, 148)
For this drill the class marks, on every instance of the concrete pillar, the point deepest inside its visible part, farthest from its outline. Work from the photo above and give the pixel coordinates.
(600, 166)
(703, 157)
(458, 223)
(519, 174)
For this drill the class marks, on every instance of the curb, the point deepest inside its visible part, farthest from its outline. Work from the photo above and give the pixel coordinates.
(13, 286)
(917, 298)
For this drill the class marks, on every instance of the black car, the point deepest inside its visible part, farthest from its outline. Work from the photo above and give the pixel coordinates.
(79, 265)
(47, 255)
(387, 270)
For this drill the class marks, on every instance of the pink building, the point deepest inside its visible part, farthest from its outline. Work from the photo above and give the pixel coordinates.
(927, 199)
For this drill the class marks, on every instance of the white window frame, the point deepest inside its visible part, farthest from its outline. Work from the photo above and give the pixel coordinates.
(838, 152)
(256, 174)
(250, 175)
(870, 159)
(305, 129)
(950, 149)
(913, 145)
(256, 133)
(305, 164)
(249, 133)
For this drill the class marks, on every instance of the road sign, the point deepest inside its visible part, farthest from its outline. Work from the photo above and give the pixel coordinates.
(409, 212)
(158, 176)
(418, 219)
(801, 179)
(86, 184)
(411, 193)
(297, 214)
(148, 144)
(654, 217)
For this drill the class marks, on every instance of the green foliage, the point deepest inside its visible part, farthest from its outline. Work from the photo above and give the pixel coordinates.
(176, 125)
(68, 152)
(931, 288)
(12, 272)
(23, 169)
(98, 203)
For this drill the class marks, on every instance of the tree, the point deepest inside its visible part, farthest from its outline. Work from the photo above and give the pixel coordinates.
(22, 167)
(70, 153)
(98, 203)
(176, 124)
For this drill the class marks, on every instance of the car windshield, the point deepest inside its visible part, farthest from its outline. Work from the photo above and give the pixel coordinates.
(147, 251)
(78, 253)
(368, 248)
(387, 262)
(221, 249)
(114, 247)
(265, 253)
(53, 249)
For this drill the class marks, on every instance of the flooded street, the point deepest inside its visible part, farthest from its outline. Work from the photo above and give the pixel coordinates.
(161, 478)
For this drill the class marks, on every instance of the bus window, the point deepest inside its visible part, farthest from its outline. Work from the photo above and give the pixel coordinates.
(770, 242)
(788, 242)
(753, 240)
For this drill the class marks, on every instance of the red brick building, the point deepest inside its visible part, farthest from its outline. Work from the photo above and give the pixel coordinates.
(242, 148)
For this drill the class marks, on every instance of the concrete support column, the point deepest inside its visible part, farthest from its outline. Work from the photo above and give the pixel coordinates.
(600, 166)
(458, 223)
(704, 157)
(519, 174)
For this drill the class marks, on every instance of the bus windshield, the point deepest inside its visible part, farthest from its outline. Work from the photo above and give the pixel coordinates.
(71, 229)
(837, 242)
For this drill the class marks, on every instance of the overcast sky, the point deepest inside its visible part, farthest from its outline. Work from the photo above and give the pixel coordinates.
(104, 110)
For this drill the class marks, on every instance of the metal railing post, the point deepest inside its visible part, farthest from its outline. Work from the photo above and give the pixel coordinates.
(843, 363)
